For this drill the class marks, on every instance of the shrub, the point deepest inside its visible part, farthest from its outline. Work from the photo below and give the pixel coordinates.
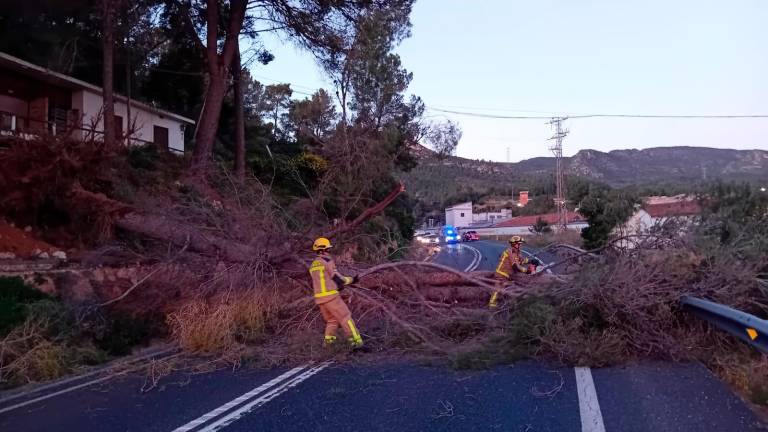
(224, 325)
(15, 297)
(519, 337)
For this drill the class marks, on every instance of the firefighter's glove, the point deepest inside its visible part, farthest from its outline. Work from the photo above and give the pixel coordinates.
(341, 281)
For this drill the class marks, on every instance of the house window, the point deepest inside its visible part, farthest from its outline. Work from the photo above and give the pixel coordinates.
(462, 215)
(118, 127)
(160, 139)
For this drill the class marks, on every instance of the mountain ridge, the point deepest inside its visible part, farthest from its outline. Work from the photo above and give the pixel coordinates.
(434, 178)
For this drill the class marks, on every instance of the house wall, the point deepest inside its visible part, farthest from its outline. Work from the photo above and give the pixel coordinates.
(90, 105)
(453, 215)
(492, 216)
(638, 223)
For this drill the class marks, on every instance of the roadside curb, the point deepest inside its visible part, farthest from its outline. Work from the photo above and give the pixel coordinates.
(29, 394)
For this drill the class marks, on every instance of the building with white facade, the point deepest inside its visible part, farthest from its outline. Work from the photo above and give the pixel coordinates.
(654, 212)
(35, 101)
(459, 215)
(463, 215)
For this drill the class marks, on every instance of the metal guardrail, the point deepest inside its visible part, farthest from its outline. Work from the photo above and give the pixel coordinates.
(744, 326)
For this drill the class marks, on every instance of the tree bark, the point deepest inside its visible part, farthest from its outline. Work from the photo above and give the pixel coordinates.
(239, 117)
(369, 212)
(168, 229)
(218, 70)
(108, 47)
(129, 124)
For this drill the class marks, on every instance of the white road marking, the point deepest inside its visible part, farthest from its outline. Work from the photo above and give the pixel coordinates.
(476, 261)
(237, 401)
(589, 408)
(61, 382)
(73, 388)
(229, 418)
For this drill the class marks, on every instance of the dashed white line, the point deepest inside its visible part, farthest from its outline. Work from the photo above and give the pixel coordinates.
(589, 408)
(237, 401)
(231, 417)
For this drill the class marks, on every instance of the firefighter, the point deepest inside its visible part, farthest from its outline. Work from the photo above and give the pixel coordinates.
(511, 262)
(327, 282)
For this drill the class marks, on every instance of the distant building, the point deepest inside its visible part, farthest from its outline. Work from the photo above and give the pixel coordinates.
(523, 201)
(522, 224)
(463, 215)
(35, 101)
(655, 211)
(459, 215)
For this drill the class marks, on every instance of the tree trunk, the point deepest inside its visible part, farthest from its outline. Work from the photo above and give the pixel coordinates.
(108, 46)
(166, 229)
(218, 66)
(130, 125)
(239, 118)
(209, 122)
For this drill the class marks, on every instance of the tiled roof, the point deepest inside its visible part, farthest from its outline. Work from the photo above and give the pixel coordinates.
(673, 209)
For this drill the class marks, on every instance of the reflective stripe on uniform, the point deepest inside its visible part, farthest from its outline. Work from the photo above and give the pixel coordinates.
(492, 302)
(504, 256)
(317, 266)
(355, 334)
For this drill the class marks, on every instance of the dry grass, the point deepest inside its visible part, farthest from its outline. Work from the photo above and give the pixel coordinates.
(224, 324)
(27, 355)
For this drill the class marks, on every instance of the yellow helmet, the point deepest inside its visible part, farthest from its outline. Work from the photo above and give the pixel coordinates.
(516, 239)
(321, 243)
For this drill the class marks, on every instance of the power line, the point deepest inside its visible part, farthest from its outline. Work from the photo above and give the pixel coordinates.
(585, 116)
(450, 107)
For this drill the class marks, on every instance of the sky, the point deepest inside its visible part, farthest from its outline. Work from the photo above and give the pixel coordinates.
(561, 57)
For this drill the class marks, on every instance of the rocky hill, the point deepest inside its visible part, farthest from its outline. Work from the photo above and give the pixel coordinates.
(434, 179)
(621, 167)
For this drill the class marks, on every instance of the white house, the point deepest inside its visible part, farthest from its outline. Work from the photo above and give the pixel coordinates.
(36, 100)
(459, 215)
(463, 215)
(654, 212)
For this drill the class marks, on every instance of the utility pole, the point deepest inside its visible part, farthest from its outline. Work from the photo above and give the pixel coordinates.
(557, 149)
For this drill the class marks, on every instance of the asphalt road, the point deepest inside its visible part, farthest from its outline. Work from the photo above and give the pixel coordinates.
(395, 396)
(460, 256)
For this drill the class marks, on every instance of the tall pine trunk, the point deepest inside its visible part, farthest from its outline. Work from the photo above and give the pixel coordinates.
(108, 47)
(218, 71)
(239, 117)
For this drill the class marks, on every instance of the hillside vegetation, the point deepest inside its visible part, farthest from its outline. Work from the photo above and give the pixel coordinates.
(438, 182)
